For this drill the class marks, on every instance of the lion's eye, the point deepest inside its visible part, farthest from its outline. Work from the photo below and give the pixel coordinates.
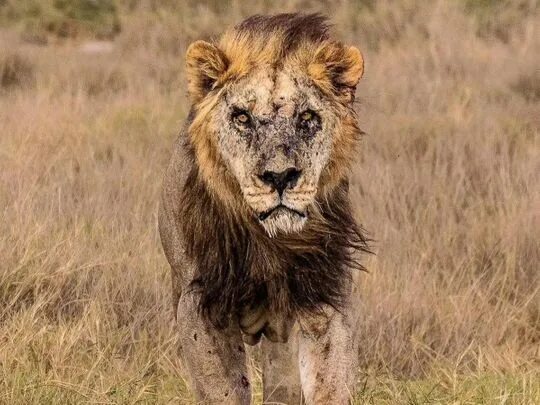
(308, 123)
(241, 118)
(307, 116)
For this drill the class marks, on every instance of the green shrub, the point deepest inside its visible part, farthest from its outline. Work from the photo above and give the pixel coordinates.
(62, 18)
(15, 71)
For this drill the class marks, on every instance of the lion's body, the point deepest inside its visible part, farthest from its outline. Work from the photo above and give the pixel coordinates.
(251, 258)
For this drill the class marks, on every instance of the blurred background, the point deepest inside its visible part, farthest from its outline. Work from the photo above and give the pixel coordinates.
(92, 95)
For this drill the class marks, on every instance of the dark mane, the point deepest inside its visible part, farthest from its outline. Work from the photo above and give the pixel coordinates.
(295, 28)
(239, 265)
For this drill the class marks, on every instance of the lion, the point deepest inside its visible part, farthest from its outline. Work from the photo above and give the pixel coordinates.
(255, 218)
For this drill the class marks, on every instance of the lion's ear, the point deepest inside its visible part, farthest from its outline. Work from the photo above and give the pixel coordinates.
(337, 68)
(205, 63)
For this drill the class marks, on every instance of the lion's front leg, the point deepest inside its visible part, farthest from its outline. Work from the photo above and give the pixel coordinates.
(214, 359)
(328, 354)
(281, 379)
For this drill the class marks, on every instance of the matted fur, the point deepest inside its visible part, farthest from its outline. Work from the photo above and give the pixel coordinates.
(298, 40)
(237, 264)
(256, 220)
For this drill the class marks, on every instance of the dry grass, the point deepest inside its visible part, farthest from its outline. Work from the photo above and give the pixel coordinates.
(448, 178)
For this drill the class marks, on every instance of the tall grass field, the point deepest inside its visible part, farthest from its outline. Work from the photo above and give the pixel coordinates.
(447, 182)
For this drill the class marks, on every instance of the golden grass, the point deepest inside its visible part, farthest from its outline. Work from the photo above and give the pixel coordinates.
(448, 177)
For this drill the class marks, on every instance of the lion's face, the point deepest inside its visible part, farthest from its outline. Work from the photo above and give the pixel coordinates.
(278, 125)
(274, 132)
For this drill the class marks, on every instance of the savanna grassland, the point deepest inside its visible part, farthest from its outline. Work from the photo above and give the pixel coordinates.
(92, 95)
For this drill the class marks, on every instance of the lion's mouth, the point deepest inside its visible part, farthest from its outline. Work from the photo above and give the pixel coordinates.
(279, 208)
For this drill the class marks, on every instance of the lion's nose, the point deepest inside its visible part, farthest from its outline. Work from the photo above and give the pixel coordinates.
(280, 181)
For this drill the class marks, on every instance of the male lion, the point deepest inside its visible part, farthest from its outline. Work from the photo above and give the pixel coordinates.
(255, 217)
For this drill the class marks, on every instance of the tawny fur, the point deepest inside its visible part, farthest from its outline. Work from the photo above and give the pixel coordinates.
(249, 259)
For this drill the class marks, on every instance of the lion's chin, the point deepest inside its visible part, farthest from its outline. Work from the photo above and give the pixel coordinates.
(283, 220)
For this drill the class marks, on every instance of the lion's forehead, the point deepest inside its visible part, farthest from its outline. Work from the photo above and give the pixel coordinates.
(269, 92)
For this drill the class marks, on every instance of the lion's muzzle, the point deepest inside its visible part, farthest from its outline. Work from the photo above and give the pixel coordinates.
(279, 181)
